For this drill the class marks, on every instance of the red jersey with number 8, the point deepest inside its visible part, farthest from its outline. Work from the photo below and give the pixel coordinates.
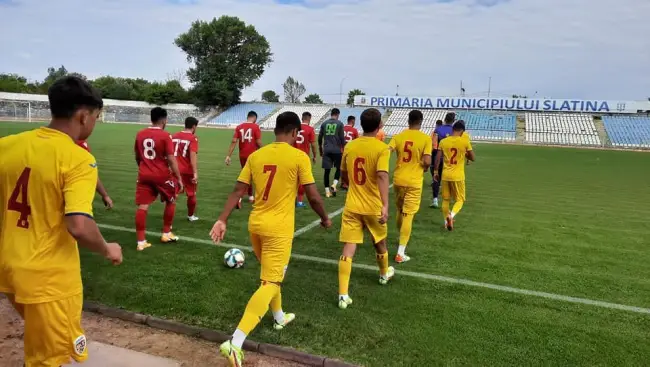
(184, 143)
(306, 136)
(247, 133)
(152, 146)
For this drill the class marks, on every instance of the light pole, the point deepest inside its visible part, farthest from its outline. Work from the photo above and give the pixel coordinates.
(397, 92)
(341, 91)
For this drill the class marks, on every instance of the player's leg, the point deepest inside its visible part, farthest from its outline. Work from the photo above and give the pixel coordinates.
(351, 235)
(435, 186)
(337, 173)
(145, 194)
(251, 198)
(168, 194)
(190, 191)
(327, 167)
(379, 233)
(300, 197)
(53, 333)
(446, 199)
(459, 198)
(410, 206)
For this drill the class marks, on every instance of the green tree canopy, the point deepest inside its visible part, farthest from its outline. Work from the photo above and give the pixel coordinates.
(313, 98)
(293, 90)
(270, 96)
(352, 94)
(227, 56)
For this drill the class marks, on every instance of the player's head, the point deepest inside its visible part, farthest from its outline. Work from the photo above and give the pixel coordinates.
(352, 120)
(191, 123)
(459, 127)
(252, 117)
(438, 123)
(415, 118)
(450, 117)
(159, 117)
(335, 113)
(306, 117)
(74, 100)
(370, 120)
(287, 126)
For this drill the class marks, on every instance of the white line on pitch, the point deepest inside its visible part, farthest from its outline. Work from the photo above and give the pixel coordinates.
(316, 223)
(439, 278)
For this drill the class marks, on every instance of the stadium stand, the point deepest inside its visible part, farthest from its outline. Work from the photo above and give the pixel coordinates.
(489, 126)
(317, 113)
(627, 131)
(561, 129)
(349, 111)
(398, 120)
(237, 114)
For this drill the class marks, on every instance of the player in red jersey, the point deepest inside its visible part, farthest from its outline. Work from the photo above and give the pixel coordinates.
(154, 154)
(249, 136)
(305, 140)
(349, 130)
(101, 190)
(186, 146)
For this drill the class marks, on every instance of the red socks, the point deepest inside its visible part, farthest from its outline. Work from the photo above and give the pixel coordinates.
(140, 224)
(168, 217)
(191, 205)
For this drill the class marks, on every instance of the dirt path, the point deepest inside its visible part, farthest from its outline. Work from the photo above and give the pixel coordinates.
(189, 351)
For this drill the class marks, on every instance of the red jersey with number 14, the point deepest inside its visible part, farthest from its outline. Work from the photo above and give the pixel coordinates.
(152, 146)
(350, 133)
(306, 136)
(247, 133)
(184, 143)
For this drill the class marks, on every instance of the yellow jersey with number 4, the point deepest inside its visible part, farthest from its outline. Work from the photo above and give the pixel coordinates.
(411, 146)
(454, 149)
(275, 170)
(362, 159)
(44, 176)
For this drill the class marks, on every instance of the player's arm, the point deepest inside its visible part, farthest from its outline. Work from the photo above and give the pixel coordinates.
(231, 149)
(321, 135)
(101, 190)
(382, 183)
(470, 155)
(194, 159)
(137, 153)
(171, 161)
(341, 132)
(392, 144)
(436, 165)
(258, 137)
(345, 179)
(426, 157)
(306, 179)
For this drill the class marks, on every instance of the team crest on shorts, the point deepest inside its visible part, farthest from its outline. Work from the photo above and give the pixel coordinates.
(80, 345)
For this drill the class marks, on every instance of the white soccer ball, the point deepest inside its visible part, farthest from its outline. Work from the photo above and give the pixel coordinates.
(234, 258)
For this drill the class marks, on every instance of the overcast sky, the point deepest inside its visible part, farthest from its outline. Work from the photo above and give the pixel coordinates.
(588, 49)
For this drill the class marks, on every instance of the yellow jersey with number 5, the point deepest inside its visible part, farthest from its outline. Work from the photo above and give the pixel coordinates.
(275, 171)
(362, 159)
(411, 146)
(454, 149)
(44, 176)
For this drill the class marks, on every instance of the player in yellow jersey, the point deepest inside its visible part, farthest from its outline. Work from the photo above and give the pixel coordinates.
(456, 150)
(365, 169)
(273, 170)
(413, 148)
(47, 186)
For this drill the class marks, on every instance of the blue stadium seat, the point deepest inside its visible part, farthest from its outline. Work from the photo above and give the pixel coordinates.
(237, 113)
(488, 121)
(628, 131)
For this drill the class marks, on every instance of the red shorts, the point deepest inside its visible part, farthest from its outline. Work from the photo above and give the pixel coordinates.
(147, 191)
(243, 160)
(190, 187)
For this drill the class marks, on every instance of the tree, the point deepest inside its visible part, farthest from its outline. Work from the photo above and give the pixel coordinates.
(227, 56)
(519, 96)
(13, 83)
(52, 75)
(293, 90)
(352, 94)
(313, 98)
(270, 96)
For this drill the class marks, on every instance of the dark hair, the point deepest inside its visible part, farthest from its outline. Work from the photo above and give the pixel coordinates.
(71, 93)
(438, 122)
(190, 122)
(450, 117)
(351, 118)
(415, 117)
(251, 114)
(335, 112)
(286, 122)
(459, 125)
(157, 114)
(305, 115)
(370, 120)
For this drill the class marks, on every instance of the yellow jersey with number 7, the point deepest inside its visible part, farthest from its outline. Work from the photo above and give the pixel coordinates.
(454, 149)
(44, 176)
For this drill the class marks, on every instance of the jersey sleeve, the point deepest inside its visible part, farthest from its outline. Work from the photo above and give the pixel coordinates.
(469, 146)
(79, 185)
(246, 174)
(169, 145)
(428, 145)
(236, 134)
(392, 144)
(305, 176)
(383, 161)
(194, 145)
(312, 136)
(257, 134)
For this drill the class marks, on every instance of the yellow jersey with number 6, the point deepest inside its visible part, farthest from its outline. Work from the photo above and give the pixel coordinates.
(411, 146)
(275, 170)
(362, 159)
(454, 149)
(44, 176)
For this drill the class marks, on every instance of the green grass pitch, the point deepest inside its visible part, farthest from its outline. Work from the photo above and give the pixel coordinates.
(565, 221)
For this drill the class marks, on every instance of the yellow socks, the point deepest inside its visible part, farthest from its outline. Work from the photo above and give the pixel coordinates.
(258, 305)
(382, 262)
(345, 269)
(457, 207)
(405, 228)
(445, 207)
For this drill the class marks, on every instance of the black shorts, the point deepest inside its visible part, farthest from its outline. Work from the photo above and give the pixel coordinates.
(332, 160)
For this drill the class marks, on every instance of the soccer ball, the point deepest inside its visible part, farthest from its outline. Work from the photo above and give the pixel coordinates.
(234, 258)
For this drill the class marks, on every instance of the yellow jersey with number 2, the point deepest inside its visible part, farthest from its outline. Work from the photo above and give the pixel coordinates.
(411, 146)
(454, 149)
(362, 159)
(44, 176)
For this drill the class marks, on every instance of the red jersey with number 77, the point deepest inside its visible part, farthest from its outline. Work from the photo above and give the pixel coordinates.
(152, 146)
(306, 136)
(247, 133)
(185, 143)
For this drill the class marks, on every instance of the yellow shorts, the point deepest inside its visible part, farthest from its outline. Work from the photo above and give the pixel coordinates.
(408, 199)
(453, 190)
(352, 226)
(53, 333)
(273, 254)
